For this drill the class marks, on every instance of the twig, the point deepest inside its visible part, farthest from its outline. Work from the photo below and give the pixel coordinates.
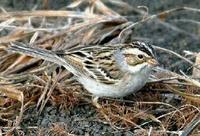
(193, 124)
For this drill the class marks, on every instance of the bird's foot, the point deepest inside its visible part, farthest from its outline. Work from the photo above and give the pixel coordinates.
(99, 107)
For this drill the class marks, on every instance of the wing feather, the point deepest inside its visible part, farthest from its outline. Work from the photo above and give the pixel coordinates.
(96, 62)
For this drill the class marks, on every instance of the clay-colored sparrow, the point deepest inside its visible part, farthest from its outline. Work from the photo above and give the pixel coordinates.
(106, 70)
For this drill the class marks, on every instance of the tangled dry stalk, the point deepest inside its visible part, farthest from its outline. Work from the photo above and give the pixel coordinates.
(169, 106)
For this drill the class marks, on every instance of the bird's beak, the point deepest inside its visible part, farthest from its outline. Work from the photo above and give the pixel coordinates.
(153, 62)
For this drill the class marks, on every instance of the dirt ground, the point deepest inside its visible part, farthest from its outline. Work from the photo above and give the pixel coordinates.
(82, 119)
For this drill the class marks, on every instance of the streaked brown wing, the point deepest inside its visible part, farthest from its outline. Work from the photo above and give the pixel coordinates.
(97, 63)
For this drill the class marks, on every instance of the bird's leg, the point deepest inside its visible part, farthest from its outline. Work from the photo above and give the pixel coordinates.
(95, 102)
(99, 107)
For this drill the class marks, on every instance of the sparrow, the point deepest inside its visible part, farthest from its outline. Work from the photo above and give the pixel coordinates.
(104, 70)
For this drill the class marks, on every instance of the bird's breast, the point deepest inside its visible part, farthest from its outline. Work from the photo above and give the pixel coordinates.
(127, 85)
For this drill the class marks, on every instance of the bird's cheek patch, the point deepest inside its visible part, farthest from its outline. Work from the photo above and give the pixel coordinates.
(132, 60)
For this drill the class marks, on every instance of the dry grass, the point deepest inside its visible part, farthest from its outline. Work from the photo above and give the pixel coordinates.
(170, 103)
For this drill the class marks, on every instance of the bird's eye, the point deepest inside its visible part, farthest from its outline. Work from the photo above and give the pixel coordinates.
(140, 56)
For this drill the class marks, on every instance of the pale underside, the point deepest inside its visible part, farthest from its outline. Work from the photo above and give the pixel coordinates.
(128, 84)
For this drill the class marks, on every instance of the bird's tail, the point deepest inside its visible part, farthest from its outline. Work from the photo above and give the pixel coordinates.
(41, 53)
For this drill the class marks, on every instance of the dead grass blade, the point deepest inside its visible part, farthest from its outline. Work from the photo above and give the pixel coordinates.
(25, 15)
(14, 37)
(162, 16)
(13, 93)
(196, 72)
(191, 126)
(191, 97)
